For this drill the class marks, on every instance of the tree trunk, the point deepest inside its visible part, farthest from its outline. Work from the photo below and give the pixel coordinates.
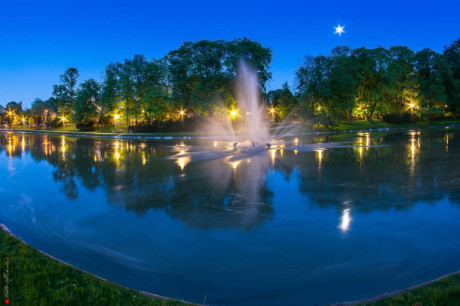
(350, 118)
(371, 113)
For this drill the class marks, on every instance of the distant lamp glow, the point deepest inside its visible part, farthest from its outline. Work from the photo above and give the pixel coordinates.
(233, 114)
(182, 114)
(272, 111)
(339, 30)
(116, 117)
(63, 119)
(411, 105)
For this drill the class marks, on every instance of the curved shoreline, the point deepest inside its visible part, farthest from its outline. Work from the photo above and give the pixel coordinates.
(145, 293)
(171, 136)
(159, 297)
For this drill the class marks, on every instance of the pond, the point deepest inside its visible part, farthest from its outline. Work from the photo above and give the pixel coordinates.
(357, 215)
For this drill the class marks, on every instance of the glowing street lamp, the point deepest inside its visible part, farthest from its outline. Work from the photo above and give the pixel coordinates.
(63, 119)
(233, 114)
(116, 116)
(272, 111)
(182, 114)
(23, 120)
(411, 106)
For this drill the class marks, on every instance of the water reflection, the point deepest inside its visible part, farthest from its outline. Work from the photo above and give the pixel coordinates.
(231, 190)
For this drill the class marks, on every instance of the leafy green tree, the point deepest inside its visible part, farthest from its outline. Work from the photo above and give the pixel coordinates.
(283, 101)
(201, 73)
(87, 108)
(344, 79)
(110, 89)
(65, 92)
(430, 67)
(38, 111)
(402, 89)
(313, 86)
(452, 75)
(373, 80)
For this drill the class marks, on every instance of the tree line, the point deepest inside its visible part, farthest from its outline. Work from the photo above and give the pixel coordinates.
(198, 80)
(386, 83)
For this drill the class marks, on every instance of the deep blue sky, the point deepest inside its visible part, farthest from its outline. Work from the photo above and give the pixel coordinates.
(40, 39)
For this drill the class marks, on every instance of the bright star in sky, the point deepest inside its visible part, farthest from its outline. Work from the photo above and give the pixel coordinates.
(339, 30)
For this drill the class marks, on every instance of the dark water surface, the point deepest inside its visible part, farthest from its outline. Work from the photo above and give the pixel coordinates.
(298, 224)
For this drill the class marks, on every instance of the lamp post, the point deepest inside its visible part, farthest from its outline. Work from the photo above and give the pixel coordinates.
(63, 119)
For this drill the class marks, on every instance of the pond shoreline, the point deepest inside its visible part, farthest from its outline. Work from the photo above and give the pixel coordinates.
(204, 136)
(378, 298)
(153, 296)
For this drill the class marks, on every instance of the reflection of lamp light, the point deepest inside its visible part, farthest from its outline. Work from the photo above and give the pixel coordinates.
(345, 220)
(320, 155)
(273, 155)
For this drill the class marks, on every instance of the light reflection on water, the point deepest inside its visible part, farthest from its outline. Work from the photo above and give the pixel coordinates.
(188, 218)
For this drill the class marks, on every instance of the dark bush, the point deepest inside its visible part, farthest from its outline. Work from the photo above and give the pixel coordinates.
(86, 125)
(398, 118)
(56, 122)
(432, 113)
(187, 125)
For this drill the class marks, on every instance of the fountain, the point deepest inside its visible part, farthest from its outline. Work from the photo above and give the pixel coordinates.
(254, 128)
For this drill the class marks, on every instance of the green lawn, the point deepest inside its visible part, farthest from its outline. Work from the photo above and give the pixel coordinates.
(376, 124)
(442, 292)
(36, 279)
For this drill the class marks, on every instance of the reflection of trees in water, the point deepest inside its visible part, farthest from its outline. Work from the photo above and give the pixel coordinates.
(225, 193)
(413, 169)
(142, 177)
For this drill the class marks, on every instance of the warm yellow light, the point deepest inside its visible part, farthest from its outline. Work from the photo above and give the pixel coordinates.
(182, 112)
(233, 114)
(412, 105)
(320, 155)
(116, 117)
(63, 118)
(272, 110)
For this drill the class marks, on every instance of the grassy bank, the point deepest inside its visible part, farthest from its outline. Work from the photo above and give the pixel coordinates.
(377, 124)
(36, 279)
(445, 291)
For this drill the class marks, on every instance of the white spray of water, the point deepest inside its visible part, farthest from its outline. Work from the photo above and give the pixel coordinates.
(252, 111)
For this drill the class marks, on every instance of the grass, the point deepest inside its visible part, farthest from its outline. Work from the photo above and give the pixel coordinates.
(36, 279)
(445, 291)
(376, 124)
